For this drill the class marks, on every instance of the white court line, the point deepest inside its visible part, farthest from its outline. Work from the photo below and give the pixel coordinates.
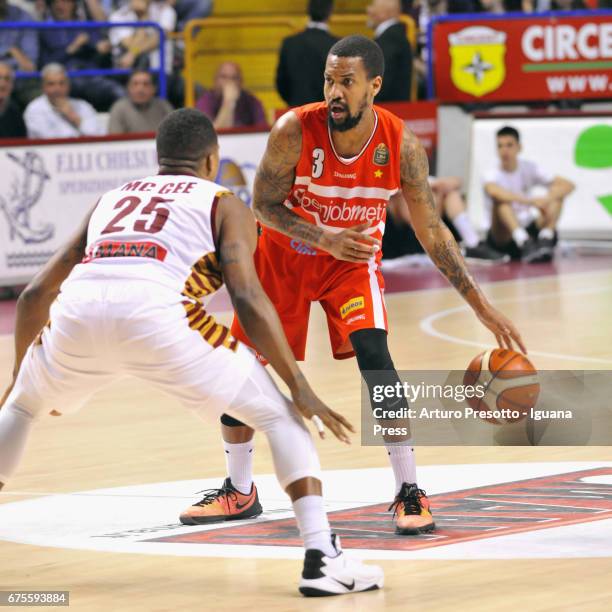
(427, 324)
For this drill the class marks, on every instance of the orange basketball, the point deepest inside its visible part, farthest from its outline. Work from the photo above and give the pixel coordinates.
(508, 382)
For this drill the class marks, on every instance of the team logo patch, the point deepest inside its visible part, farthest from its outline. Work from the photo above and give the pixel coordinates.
(381, 155)
(478, 59)
(353, 304)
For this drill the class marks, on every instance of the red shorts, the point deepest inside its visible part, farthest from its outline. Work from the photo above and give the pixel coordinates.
(351, 294)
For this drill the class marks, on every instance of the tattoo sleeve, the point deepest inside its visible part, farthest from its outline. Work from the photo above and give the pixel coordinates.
(431, 231)
(274, 180)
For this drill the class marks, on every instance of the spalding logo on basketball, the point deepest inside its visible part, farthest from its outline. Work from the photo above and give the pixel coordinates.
(511, 384)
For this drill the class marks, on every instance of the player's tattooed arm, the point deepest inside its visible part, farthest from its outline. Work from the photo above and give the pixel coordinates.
(429, 228)
(274, 180)
(439, 243)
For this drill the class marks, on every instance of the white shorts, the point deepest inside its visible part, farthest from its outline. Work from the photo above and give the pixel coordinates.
(100, 331)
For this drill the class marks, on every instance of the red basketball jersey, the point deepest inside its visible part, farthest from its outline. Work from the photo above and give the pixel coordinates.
(335, 193)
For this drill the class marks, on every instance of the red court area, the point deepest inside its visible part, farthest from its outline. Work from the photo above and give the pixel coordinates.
(461, 516)
(408, 277)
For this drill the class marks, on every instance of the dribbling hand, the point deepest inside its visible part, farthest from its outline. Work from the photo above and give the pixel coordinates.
(503, 329)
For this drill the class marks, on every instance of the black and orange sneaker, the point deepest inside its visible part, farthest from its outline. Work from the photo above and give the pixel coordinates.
(224, 504)
(411, 511)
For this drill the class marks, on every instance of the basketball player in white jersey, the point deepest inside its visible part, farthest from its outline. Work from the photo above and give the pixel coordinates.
(132, 280)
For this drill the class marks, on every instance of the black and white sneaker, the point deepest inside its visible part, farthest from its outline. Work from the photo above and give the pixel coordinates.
(485, 252)
(547, 249)
(531, 251)
(323, 576)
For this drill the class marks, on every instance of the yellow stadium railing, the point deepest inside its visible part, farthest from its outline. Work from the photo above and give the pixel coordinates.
(254, 43)
(241, 8)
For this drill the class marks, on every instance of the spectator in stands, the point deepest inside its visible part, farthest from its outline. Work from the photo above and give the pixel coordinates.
(19, 49)
(54, 114)
(399, 238)
(186, 10)
(299, 76)
(11, 120)
(522, 225)
(518, 6)
(427, 10)
(567, 5)
(139, 47)
(141, 111)
(390, 34)
(78, 50)
(228, 105)
(28, 6)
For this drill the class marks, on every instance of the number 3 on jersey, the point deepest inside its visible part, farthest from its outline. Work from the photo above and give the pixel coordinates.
(318, 156)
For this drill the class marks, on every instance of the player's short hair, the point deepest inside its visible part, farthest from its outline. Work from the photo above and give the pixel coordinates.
(508, 130)
(359, 46)
(320, 10)
(185, 134)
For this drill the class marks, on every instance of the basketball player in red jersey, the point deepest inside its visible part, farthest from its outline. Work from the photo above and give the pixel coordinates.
(321, 193)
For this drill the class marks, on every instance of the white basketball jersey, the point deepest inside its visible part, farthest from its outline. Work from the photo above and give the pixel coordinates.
(160, 229)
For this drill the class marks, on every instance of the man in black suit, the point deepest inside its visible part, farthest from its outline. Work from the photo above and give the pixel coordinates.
(11, 118)
(299, 76)
(390, 34)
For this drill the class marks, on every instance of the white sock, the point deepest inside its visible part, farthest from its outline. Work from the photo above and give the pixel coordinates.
(15, 426)
(520, 236)
(546, 234)
(239, 461)
(403, 464)
(466, 229)
(313, 524)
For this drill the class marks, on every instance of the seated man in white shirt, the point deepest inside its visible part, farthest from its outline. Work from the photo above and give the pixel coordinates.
(55, 114)
(522, 225)
(399, 238)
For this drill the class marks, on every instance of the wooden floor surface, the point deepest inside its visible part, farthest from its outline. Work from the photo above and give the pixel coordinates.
(128, 435)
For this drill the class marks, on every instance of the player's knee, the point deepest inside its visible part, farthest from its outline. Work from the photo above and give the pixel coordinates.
(371, 350)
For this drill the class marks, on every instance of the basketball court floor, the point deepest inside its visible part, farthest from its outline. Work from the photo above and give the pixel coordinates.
(94, 507)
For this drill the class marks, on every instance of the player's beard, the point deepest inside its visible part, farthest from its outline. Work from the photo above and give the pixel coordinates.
(350, 121)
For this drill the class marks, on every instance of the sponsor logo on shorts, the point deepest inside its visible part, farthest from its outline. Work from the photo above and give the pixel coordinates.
(353, 304)
(301, 248)
(381, 155)
(360, 317)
